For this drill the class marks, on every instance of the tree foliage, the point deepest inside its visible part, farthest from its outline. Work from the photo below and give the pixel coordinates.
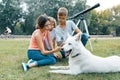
(105, 22)
(9, 14)
(20, 15)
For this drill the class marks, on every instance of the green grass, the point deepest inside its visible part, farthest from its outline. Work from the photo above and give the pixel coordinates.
(13, 52)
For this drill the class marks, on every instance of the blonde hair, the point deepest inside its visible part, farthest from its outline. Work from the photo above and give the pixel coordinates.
(62, 11)
(51, 19)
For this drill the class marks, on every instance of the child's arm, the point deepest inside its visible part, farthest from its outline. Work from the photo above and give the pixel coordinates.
(41, 46)
(78, 31)
(54, 42)
(50, 41)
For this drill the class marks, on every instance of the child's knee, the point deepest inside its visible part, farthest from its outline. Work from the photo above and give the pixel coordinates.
(84, 37)
(53, 60)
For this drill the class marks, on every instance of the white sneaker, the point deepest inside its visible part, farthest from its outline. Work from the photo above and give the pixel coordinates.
(30, 61)
(25, 66)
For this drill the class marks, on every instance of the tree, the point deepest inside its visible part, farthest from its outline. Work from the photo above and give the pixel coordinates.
(118, 31)
(116, 16)
(101, 22)
(10, 14)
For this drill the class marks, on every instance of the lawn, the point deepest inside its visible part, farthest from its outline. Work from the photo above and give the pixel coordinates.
(13, 53)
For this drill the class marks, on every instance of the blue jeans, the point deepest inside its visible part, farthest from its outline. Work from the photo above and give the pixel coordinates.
(84, 39)
(40, 58)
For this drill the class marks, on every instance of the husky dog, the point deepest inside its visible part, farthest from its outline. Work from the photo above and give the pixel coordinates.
(82, 60)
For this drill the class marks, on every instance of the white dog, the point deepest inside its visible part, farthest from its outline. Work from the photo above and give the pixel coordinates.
(83, 61)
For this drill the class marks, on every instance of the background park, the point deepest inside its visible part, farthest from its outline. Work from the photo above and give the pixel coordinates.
(20, 17)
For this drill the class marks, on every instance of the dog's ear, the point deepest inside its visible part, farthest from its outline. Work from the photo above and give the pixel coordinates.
(77, 36)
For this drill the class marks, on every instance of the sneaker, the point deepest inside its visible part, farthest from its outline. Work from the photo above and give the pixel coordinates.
(30, 61)
(25, 66)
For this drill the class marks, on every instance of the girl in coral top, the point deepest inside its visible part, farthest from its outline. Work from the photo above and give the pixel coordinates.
(37, 53)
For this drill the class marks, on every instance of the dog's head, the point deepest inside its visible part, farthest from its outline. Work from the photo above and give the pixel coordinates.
(71, 45)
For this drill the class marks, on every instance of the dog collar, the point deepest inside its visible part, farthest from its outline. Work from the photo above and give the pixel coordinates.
(76, 55)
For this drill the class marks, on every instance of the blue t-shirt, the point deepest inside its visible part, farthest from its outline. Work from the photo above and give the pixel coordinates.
(62, 34)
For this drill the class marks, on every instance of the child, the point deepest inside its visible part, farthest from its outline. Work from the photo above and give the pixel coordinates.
(52, 32)
(66, 27)
(52, 35)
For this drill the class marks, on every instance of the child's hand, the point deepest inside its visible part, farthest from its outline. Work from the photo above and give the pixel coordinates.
(58, 48)
(57, 55)
(62, 44)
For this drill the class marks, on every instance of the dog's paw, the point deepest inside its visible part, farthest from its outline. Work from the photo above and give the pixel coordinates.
(53, 67)
(53, 71)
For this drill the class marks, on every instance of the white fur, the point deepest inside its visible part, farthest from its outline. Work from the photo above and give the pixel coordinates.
(85, 62)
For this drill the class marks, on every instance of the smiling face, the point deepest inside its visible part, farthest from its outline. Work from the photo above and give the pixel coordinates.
(67, 47)
(52, 23)
(47, 25)
(62, 16)
(70, 46)
(73, 46)
(62, 20)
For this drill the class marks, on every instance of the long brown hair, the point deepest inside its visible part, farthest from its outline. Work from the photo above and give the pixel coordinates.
(41, 20)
